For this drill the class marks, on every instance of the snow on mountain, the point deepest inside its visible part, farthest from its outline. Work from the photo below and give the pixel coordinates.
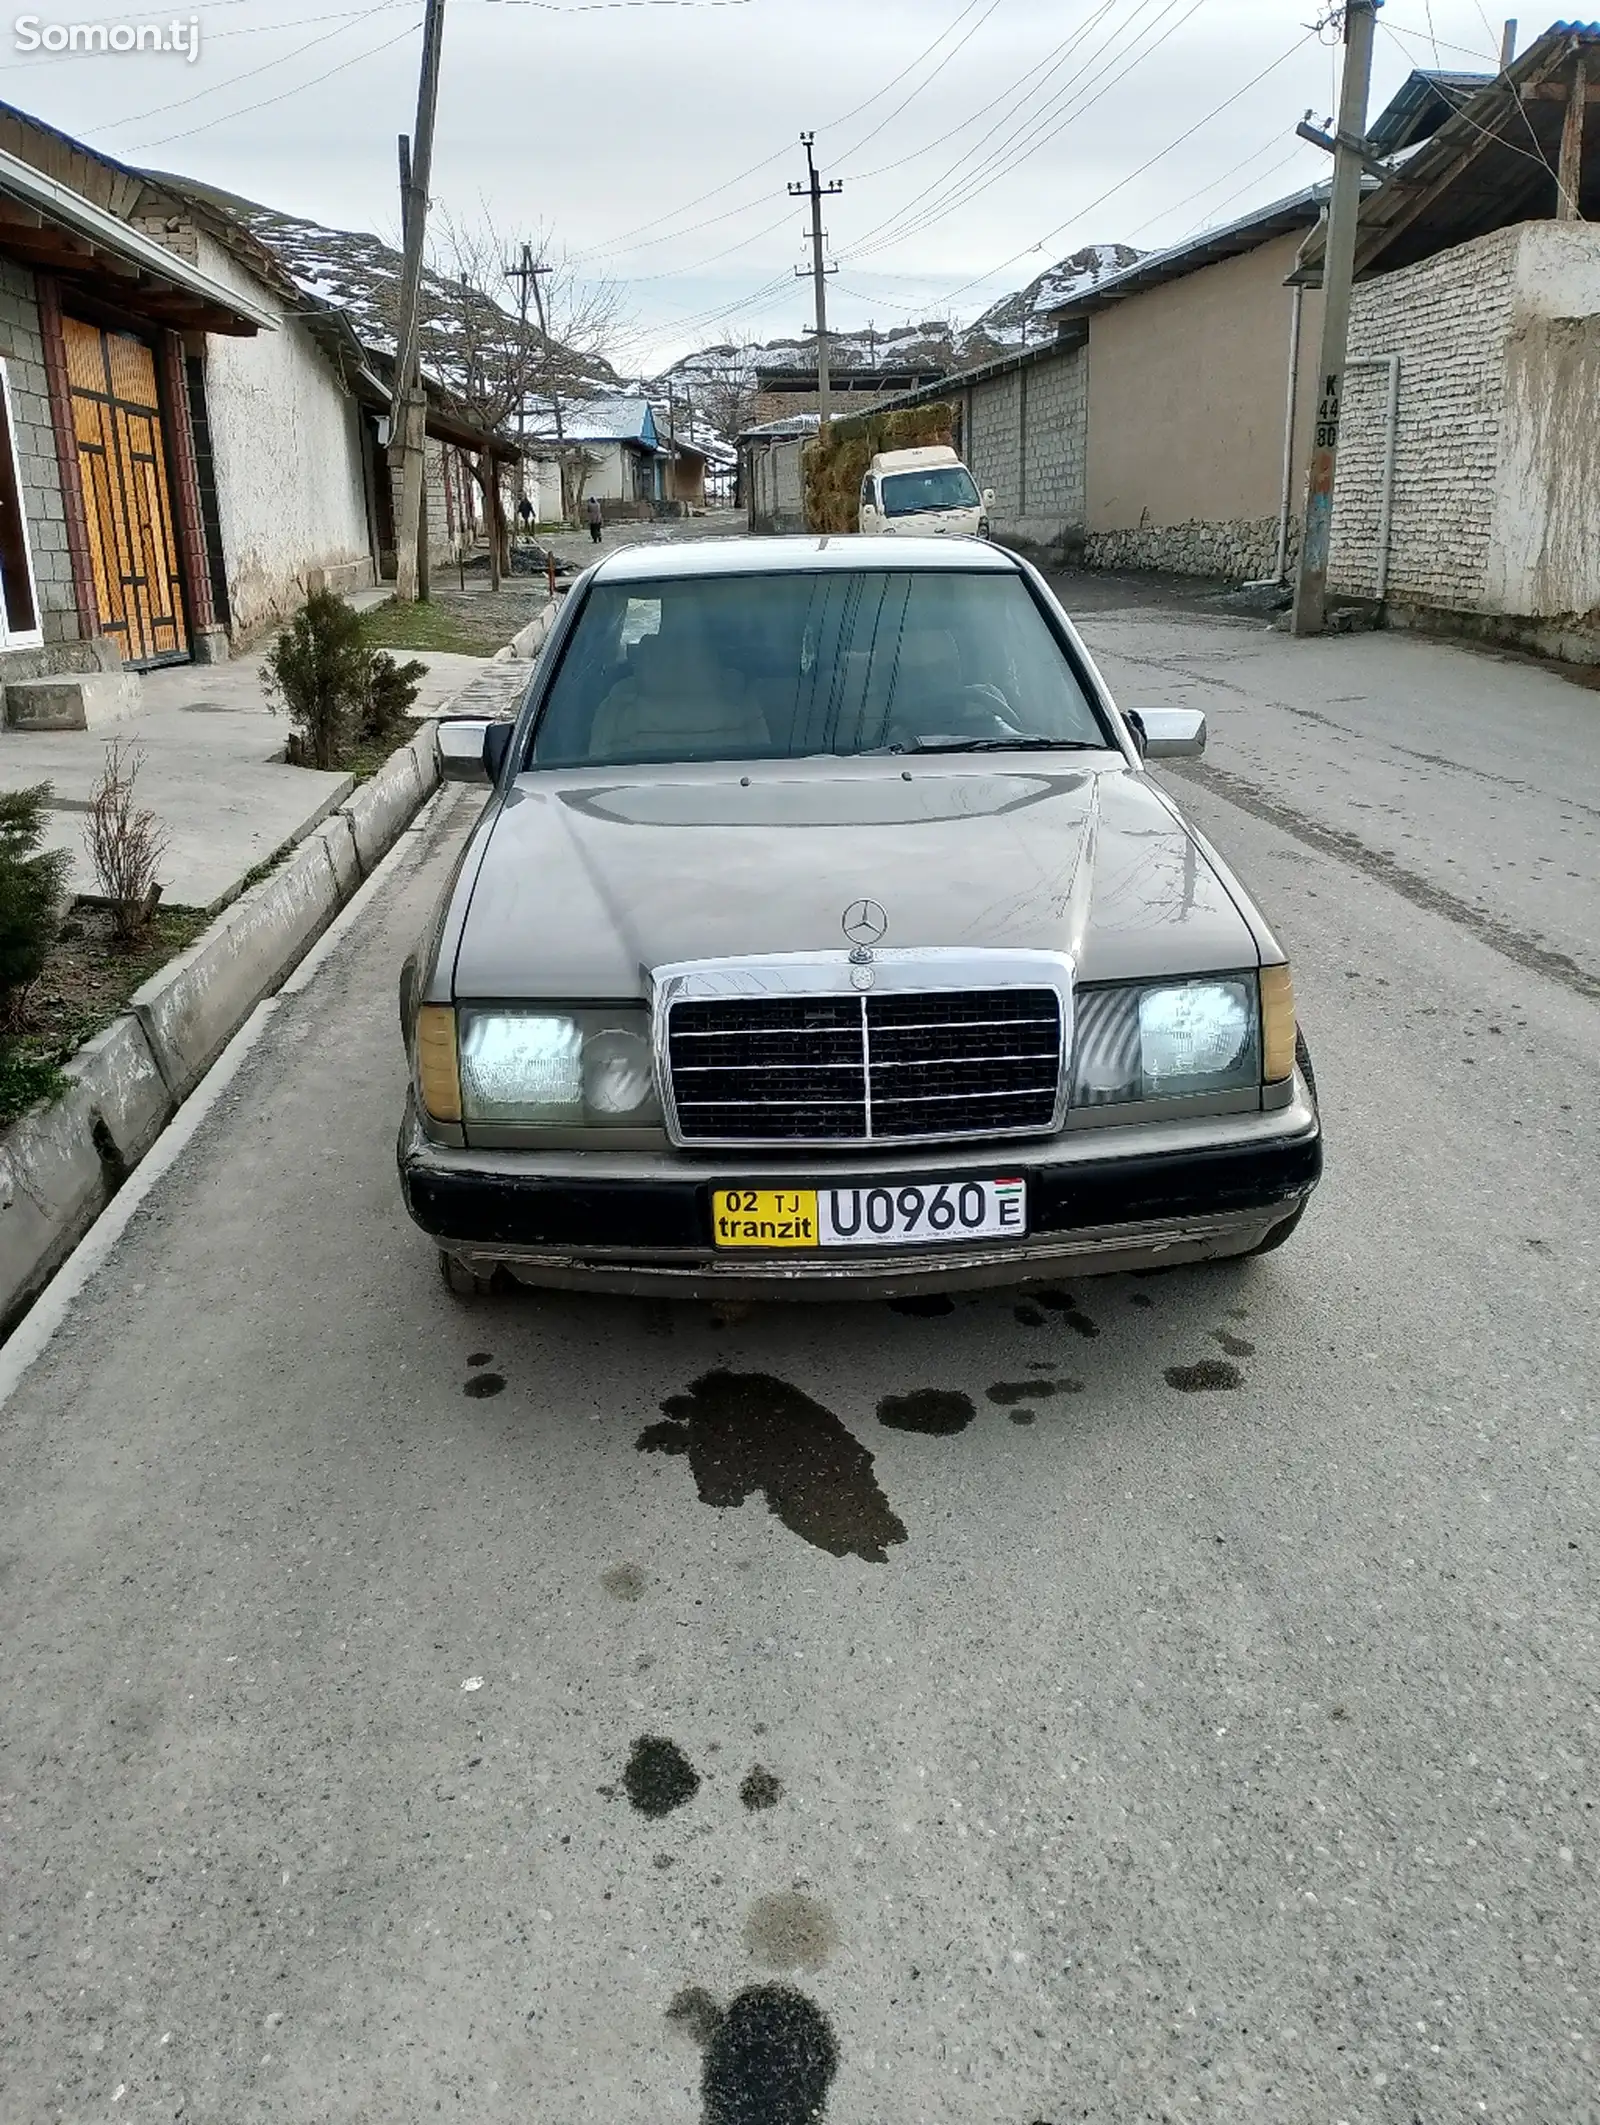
(1025, 315)
(360, 274)
(724, 379)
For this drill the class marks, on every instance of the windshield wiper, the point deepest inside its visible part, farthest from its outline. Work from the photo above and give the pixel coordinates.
(1006, 745)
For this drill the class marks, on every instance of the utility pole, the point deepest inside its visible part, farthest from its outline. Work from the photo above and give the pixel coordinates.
(535, 273)
(820, 269)
(408, 409)
(1350, 156)
(524, 273)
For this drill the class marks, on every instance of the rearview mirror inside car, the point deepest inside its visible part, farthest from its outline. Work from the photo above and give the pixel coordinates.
(1169, 733)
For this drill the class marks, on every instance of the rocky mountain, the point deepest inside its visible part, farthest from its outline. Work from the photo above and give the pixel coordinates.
(723, 379)
(465, 331)
(1024, 316)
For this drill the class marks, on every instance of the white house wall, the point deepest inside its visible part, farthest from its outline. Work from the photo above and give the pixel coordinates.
(286, 443)
(1544, 554)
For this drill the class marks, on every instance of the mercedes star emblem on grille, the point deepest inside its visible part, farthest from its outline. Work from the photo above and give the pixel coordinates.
(864, 922)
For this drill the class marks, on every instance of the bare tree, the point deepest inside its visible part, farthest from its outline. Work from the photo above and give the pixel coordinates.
(725, 386)
(518, 352)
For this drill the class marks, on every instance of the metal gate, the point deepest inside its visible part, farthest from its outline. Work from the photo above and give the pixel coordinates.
(116, 417)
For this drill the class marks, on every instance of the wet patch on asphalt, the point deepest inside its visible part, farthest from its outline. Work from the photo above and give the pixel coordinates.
(1235, 1346)
(937, 1411)
(1005, 1392)
(748, 1432)
(1141, 1299)
(770, 2056)
(1027, 1316)
(623, 1582)
(760, 1788)
(1063, 1303)
(790, 1931)
(659, 1777)
(923, 1306)
(1024, 1416)
(1209, 1375)
(484, 1384)
(481, 1357)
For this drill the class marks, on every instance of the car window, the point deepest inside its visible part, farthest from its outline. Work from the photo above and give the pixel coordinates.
(939, 487)
(783, 666)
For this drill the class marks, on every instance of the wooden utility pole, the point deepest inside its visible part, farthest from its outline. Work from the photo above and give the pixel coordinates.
(1350, 154)
(523, 273)
(408, 409)
(1569, 172)
(535, 274)
(820, 269)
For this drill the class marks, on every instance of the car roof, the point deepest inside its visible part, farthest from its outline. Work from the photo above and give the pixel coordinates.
(795, 556)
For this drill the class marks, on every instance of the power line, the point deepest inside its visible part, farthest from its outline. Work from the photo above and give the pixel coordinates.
(1025, 141)
(233, 81)
(624, 242)
(1122, 183)
(266, 103)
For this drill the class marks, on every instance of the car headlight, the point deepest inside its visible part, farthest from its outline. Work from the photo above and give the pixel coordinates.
(1166, 1040)
(582, 1069)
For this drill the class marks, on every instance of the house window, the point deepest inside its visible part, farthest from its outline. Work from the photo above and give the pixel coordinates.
(19, 599)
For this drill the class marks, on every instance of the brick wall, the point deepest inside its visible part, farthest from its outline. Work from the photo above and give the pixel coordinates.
(1448, 319)
(1023, 434)
(23, 350)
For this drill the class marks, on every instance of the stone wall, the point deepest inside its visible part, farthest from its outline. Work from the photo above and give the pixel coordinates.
(22, 348)
(1448, 319)
(1241, 553)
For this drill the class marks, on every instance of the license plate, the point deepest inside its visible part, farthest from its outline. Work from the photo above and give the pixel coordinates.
(890, 1214)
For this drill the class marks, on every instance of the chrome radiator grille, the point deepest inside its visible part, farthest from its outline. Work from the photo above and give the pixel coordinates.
(865, 1069)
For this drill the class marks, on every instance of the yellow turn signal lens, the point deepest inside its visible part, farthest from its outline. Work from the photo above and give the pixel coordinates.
(1277, 1024)
(438, 1071)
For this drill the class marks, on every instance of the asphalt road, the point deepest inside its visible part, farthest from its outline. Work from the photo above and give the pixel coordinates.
(568, 1709)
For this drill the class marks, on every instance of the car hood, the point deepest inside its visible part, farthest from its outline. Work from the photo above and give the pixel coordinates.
(586, 881)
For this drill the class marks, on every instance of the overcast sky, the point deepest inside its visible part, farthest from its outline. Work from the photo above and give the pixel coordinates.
(978, 142)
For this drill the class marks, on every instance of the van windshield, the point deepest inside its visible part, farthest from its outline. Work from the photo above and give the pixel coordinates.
(780, 666)
(938, 487)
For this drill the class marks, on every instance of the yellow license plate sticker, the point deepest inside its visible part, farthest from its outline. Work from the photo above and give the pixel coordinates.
(765, 1217)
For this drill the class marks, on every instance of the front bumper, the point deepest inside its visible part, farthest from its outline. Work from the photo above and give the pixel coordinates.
(1150, 1195)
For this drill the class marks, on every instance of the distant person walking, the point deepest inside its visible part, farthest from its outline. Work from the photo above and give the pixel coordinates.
(595, 518)
(525, 511)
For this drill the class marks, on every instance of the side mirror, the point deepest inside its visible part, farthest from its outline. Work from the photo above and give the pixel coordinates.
(463, 747)
(988, 497)
(1168, 733)
(496, 744)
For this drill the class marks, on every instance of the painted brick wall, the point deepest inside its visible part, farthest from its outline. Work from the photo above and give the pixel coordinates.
(23, 350)
(1448, 319)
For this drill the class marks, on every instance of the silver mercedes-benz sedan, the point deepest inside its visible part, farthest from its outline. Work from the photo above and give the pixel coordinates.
(826, 934)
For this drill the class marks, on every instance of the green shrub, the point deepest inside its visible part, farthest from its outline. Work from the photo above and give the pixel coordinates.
(32, 885)
(391, 689)
(318, 673)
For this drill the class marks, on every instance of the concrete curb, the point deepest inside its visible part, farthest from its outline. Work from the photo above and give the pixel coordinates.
(61, 1164)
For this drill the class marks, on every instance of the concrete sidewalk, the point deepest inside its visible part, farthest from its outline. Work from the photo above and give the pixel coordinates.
(213, 771)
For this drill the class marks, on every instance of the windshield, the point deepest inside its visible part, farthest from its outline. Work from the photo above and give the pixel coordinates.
(940, 487)
(780, 666)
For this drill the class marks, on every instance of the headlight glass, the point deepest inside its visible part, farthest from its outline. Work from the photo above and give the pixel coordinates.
(1166, 1040)
(558, 1069)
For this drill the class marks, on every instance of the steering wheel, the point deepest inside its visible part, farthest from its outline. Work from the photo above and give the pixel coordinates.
(976, 711)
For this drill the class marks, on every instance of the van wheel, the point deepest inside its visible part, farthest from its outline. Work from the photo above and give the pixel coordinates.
(468, 1283)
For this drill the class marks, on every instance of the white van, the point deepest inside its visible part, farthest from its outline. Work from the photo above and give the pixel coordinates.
(927, 493)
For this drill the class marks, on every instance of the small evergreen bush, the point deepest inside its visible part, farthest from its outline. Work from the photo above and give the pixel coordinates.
(318, 674)
(32, 887)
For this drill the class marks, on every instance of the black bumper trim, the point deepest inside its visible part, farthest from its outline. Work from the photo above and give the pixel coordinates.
(484, 1210)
